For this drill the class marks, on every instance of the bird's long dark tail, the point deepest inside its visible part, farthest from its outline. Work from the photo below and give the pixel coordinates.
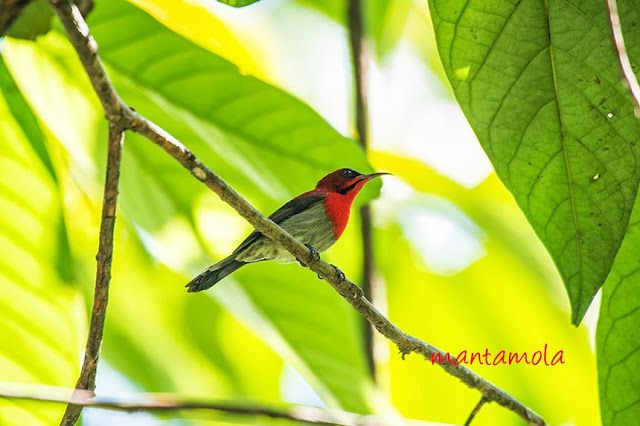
(213, 274)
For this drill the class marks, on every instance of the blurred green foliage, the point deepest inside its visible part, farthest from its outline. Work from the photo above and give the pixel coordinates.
(40, 308)
(185, 65)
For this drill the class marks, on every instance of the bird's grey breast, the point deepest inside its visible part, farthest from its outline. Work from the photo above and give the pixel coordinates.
(311, 226)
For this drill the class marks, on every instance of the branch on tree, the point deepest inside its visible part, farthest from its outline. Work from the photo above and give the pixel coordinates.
(85, 46)
(475, 411)
(627, 70)
(87, 379)
(168, 402)
(117, 125)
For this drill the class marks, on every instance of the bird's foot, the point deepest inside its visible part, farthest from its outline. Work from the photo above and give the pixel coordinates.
(339, 274)
(356, 291)
(314, 255)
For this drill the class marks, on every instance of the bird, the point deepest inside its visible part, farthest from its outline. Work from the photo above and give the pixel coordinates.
(316, 218)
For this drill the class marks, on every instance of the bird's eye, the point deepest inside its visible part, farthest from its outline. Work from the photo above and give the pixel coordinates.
(349, 173)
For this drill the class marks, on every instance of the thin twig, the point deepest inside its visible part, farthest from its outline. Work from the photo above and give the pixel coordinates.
(358, 59)
(87, 379)
(150, 402)
(9, 12)
(627, 70)
(347, 289)
(78, 33)
(475, 411)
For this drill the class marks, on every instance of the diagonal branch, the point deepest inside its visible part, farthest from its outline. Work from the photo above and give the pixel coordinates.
(82, 41)
(168, 402)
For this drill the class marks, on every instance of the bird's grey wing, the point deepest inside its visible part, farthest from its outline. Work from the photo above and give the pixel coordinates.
(293, 207)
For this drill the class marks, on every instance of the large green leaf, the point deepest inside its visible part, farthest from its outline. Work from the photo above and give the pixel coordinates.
(237, 123)
(172, 327)
(274, 133)
(40, 312)
(266, 130)
(539, 82)
(618, 334)
(266, 143)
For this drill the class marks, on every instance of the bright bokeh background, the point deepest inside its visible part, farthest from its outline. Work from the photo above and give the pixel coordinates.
(460, 266)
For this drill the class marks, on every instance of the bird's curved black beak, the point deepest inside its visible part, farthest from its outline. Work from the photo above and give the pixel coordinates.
(373, 175)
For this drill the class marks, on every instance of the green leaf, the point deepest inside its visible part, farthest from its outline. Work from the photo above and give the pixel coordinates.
(34, 20)
(539, 83)
(163, 312)
(39, 311)
(238, 3)
(267, 144)
(230, 119)
(236, 123)
(618, 334)
(29, 125)
(28, 122)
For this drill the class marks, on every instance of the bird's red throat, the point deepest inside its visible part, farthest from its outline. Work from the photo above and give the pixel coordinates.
(338, 207)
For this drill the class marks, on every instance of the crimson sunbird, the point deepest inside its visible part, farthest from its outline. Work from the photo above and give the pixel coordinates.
(316, 218)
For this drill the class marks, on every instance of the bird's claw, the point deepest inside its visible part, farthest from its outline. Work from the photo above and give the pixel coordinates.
(313, 255)
(339, 274)
(357, 291)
